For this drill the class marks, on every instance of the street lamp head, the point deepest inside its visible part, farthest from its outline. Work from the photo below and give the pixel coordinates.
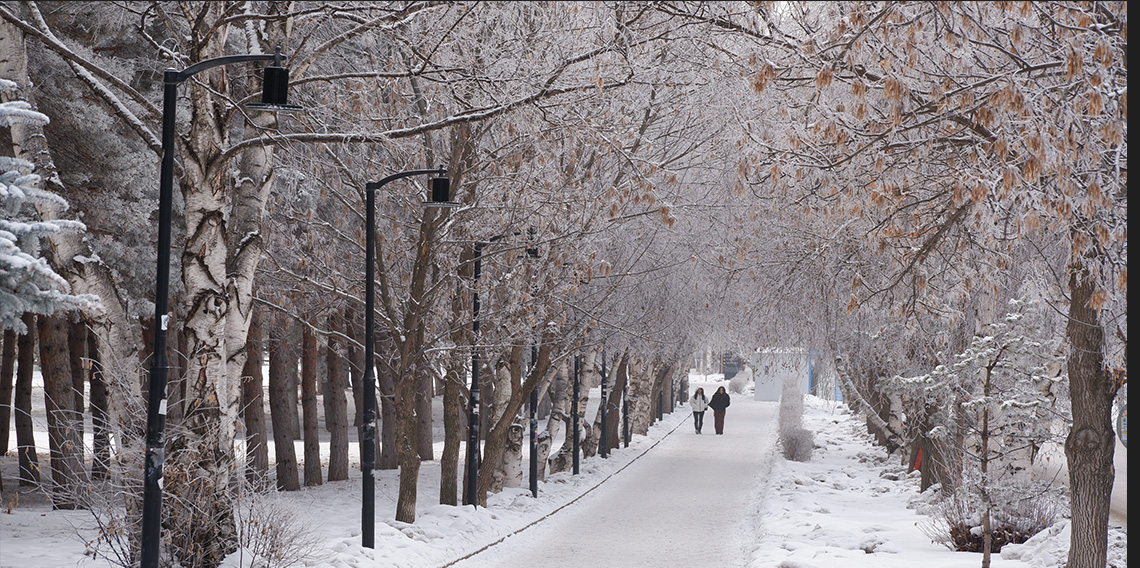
(440, 193)
(275, 88)
(531, 251)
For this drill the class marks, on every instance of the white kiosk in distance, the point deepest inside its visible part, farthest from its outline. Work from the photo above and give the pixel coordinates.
(773, 366)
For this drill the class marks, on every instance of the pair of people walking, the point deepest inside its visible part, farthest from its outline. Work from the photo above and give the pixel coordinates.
(700, 403)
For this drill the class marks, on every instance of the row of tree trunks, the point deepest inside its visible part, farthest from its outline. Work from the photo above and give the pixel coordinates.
(67, 355)
(68, 345)
(283, 383)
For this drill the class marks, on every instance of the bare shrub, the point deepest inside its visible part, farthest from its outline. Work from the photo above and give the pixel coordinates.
(266, 533)
(797, 444)
(271, 533)
(956, 521)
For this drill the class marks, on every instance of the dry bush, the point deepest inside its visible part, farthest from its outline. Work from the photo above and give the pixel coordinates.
(957, 521)
(272, 534)
(797, 443)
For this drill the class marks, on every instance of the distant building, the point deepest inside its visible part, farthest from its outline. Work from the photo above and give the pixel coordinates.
(773, 366)
(730, 365)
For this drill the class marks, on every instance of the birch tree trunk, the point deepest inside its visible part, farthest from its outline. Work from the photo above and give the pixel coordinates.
(613, 413)
(502, 461)
(559, 399)
(641, 401)
(563, 460)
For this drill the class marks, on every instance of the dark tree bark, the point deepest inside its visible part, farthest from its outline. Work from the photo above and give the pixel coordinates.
(453, 432)
(386, 457)
(282, 380)
(253, 406)
(7, 378)
(176, 388)
(25, 435)
(336, 407)
(1090, 444)
(100, 427)
(77, 354)
(312, 424)
(55, 364)
(355, 366)
(425, 440)
(453, 397)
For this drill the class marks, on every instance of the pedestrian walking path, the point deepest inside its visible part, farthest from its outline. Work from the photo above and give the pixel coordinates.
(691, 501)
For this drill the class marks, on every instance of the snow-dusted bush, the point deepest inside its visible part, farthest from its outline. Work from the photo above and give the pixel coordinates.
(797, 444)
(740, 381)
(796, 441)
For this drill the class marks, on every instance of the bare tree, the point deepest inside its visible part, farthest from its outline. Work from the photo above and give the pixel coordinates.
(311, 428)
(336, 409)
(253, 405)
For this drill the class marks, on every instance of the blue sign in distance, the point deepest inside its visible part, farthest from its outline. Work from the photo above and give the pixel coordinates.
(1122, 425)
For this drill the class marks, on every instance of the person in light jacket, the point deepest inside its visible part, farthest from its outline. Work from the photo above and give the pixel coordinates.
(719, 403)
(700, 403)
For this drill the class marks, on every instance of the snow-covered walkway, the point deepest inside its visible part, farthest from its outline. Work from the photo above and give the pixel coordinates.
(684, 503)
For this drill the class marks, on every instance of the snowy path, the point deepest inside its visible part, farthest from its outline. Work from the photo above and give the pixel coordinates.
(688, 502)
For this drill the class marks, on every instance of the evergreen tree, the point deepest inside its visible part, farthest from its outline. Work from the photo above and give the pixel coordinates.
(28, 284)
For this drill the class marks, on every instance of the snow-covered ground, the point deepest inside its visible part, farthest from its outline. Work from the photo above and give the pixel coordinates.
(672, 498)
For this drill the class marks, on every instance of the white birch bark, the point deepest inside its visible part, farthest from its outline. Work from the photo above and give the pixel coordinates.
(641, 373)
(558, 414)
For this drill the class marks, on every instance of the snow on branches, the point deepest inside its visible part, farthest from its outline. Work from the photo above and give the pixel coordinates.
(27, 282)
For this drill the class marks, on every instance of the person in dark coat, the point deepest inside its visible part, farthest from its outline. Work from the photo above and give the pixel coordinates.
(719, 402)
(699, 403)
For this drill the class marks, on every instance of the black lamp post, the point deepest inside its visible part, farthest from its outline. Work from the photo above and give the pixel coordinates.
(574, 417)
(534, 427)
(274, 97)
(472, 497)
(440, 193)
(532, 252)
(604, 439)
(473, 424)
(625, 414)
